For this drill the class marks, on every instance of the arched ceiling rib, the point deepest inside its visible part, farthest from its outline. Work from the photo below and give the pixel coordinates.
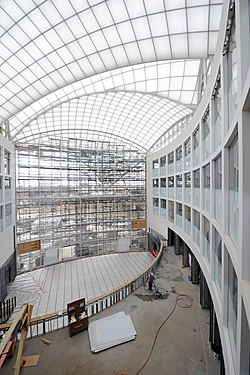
(134, 117)
(55, 50)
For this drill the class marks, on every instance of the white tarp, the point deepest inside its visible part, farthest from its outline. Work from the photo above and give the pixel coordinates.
(51, 256)
(123, 244)
(113, 330)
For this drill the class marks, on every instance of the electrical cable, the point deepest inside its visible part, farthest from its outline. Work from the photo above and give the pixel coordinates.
(179, 297)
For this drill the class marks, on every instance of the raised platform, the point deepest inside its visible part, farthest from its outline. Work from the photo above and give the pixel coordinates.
(49, 289)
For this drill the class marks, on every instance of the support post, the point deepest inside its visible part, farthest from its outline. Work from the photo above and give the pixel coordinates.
(177, 245)
(185, 256)
(194, 271)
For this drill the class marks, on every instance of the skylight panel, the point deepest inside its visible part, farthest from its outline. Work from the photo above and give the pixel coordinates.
(198, 44)
(177, 21)
(29, 27)
(79, 5)
(162, 48)
(64, 8)
(42, 43)
(133, 53)
(99, 40)
(158, 24)
(112, 36)
(177, 68)
(176, 4)
(215, 16)
(39, 20)
(213, 37)
(154, 6)
(125, 31)
(197, 19)
(10, 43)
(147, 50)
(103, 15)
(89, 21)
(29, 54)
(64, 33)
(189, 83)
(141, 28)
(179, 46)
(191, 3)
(186, 97)
(192, 67)
(51, 13)
(118, 10)
(11, 8)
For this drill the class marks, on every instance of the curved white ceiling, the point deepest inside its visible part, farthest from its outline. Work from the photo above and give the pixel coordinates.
(55, 46)
(135, 117)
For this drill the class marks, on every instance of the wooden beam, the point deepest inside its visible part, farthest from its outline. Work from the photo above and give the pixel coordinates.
(28, 322)
(20, 351)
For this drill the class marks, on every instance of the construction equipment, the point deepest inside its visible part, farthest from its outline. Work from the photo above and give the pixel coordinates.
(158, 294)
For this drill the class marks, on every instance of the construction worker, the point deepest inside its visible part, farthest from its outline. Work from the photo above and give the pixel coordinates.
(150, 280)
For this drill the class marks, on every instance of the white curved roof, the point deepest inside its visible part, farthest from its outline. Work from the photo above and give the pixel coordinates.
(53, 51)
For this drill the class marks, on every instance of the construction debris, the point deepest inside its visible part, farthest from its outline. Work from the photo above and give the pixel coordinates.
(122, 372)
(46, 341)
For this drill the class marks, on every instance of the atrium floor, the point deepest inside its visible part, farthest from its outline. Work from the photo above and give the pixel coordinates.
(182, 346)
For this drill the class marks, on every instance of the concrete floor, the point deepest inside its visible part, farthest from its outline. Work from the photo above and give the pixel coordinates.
(182, 346)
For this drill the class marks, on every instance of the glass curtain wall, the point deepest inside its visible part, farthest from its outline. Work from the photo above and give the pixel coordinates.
(171, 163)
(197, 188)
(187, 220)
(179, 215)
(179, 187)
(217, 114)
(206, 135)
(187, 154)
(156, 206)
(197, 228)
(206, 239)
(163, 187)
(179, 160)
(171, 187)
(188, 187)
(171, 211)
(234, 190)
(163, 166)
(218, 189)
(232, 308)
(155, 168)
(196, 147)
(217, 260)
(163, 208)
(206, 191)
(79, 196)
(156, 187)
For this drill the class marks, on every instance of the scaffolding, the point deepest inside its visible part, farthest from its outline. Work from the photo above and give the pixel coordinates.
(79, 196)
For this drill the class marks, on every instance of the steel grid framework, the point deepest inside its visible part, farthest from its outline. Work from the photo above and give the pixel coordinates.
(79, 196)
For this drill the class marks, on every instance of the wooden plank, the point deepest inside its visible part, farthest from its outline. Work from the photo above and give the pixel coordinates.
(20, 351)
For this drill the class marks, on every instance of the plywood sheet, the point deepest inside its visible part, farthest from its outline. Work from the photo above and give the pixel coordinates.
(111, 331)
(30, 361)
